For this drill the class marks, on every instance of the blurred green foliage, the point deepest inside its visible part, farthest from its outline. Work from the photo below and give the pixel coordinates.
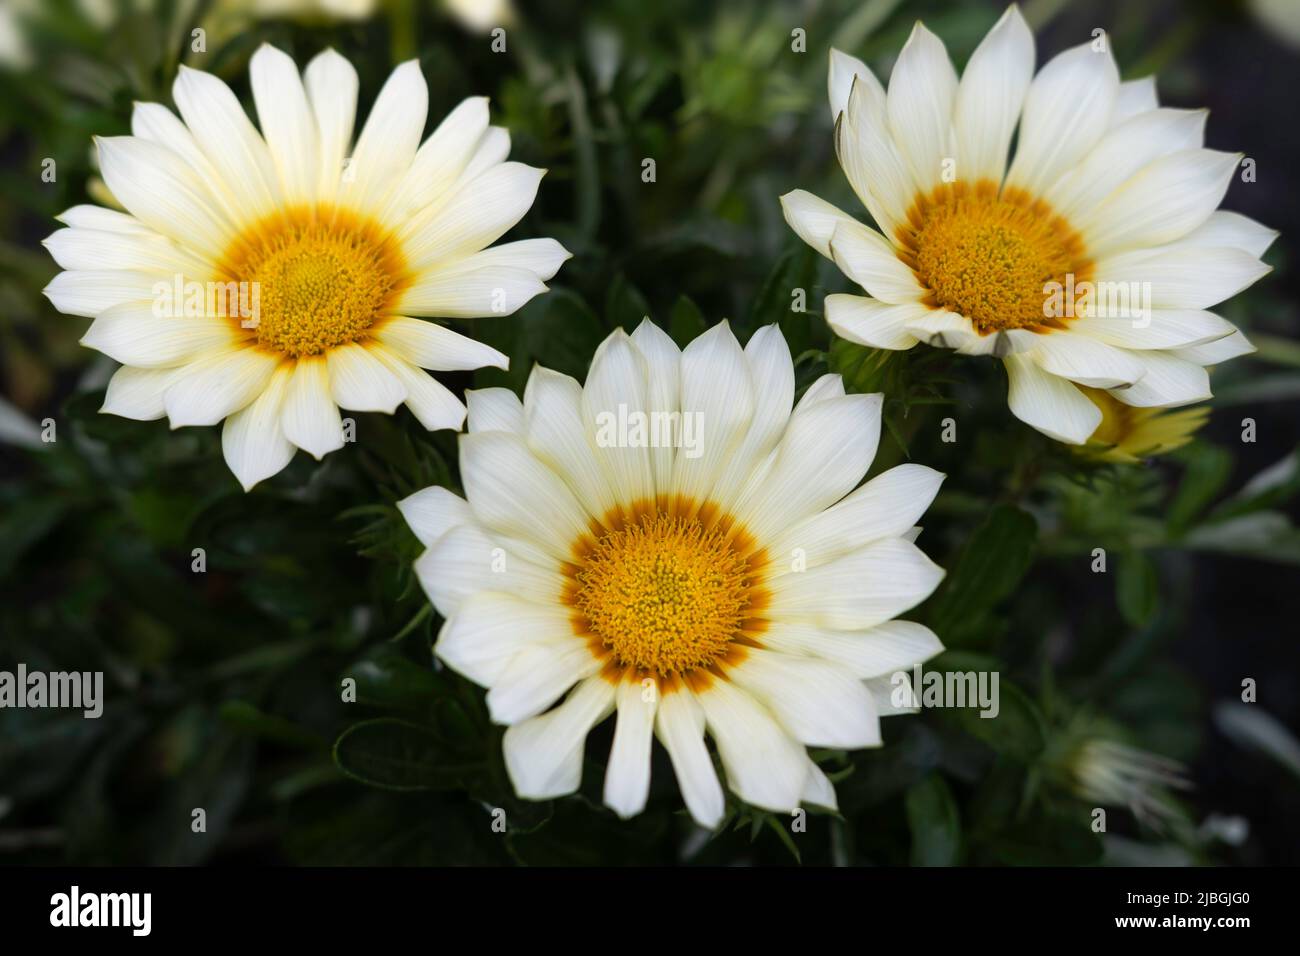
(226, 688)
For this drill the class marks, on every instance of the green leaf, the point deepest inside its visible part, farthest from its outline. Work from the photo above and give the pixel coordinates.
(795, 270)
(1017, 731)
(1137, 588)
(625, 306)
(1269, 488)
(23, 527)
(1208, 470)
(396, 755)
(932, 818)
(245, 716)
(686, 322)
(988, 571)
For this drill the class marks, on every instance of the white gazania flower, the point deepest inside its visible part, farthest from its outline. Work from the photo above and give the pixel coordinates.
(271, 279)
(1090, 258)
(671, 541)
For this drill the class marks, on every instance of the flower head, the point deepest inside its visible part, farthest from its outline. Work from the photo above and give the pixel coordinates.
(679, 542)
(1115, 774)
(1127, 435)
(1089, 259)
(270, 279)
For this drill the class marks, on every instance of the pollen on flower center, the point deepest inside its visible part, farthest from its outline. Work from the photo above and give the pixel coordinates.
(668, 591)
(322, 277)
(989, 256)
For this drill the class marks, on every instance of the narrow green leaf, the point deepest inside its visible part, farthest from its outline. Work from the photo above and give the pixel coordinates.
(932, 818)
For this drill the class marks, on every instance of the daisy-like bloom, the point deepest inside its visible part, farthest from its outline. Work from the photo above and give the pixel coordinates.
(1115, 774)
(1090, 258)
(271, 279)
(1127, 435)
(673, 542)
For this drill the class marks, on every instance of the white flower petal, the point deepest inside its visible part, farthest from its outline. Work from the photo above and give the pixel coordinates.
(441, 159)
(922, 91)
(1169, 198)
(465, 561)
(875, 652)
(813, 220)
(885, 507)
(1050, 404)
(331, 83)
(818, 704)
(1086, 360)
(1162, 329)
(716, 387)
(86, 216)
(544, 755)
(679, 724)
(133, 335)
(893, 695)
(1133, 97)
(162, 191)
(1120, 155)
(157, 124)
(1220, 350)
(144, 251)
(1229, 230)
(428, 399)
(663, 379)
(227, 138)
(252, 442)
(765, 765)
(627, 777)
(287, 122)
(948, 330)
(432, 512)
(818, 791)
(840, 79)
(458, 292)
(494, 409)
(859, 590)
(541, 257)
(311, 419)
(535, 678)
(138, 392)
(436, 347)
(1168, 382)
(824, 453)
(474, 218)
(615, 387)
(219, 385)
(492, 149)
(826, 387)
(359, 381)
(1067, 110)
(557, 433)
(388, 141)
(872, 322)
(1183, 278)
(491, 629)
(989, 98)
(770, 363)
(869, 260)
(513, 492)
(872, 161)
(88, 293)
